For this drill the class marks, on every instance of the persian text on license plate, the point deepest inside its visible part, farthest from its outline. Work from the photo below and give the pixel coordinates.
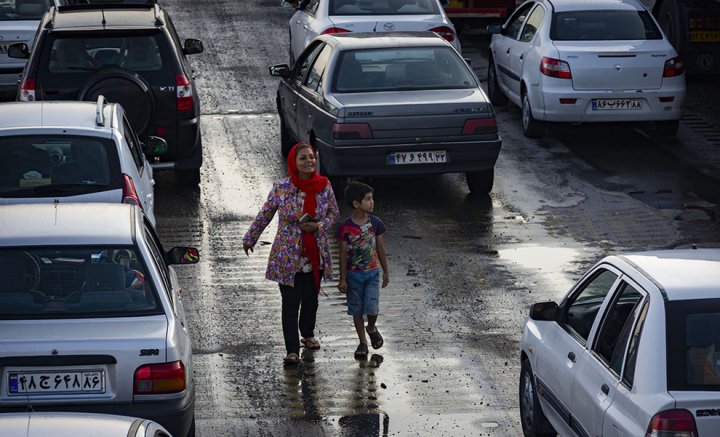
(83, 381)
(426, 157)
(616, 104)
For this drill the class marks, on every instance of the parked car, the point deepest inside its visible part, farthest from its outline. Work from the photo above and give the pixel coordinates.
(633, 349)
(131, 54)
(388, 105)
(91, 315)
(315, 17)
(37, 424)
(74, 152)
(579, 61)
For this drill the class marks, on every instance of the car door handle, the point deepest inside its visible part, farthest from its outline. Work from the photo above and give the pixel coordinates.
(571, 356)
(605, 389)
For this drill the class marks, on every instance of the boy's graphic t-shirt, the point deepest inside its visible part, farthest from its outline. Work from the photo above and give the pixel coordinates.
(362, 247)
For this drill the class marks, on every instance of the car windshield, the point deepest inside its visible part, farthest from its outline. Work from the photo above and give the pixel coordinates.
(54, 165)
(74, 282)
(383, 7)
(17, 10)
(396, 69)
(693, 330)
(603, 26)
(140, 53)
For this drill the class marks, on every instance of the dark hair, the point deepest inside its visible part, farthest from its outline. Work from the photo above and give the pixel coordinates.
(122, 253)
(356, 191)
(303, 145)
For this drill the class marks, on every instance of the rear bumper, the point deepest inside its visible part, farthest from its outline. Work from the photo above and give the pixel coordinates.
(372, 160)
(184, 143)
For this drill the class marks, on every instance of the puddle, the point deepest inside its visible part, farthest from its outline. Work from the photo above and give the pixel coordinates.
(548, 259)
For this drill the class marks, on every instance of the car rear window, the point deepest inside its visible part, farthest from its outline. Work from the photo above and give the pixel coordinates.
(57, 165)
(383, 7)
(413, 68)
(18, 10)
(74, 282)
(603, 26)
(693, 339)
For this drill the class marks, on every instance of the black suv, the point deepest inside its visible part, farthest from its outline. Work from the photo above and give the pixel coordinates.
(131, 54)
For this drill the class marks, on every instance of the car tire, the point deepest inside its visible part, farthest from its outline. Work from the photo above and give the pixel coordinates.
(125, 87)
(667, 128)
(495, 94)
(338, 183)
(188, 177)
(533, 420)
(480, 182)
(532, 128)
(286, 141)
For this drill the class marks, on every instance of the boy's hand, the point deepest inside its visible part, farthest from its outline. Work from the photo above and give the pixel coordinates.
(386, 279)
(342, 286)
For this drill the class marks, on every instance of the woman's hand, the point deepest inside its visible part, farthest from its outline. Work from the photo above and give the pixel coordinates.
(247, 248)
(310, 227)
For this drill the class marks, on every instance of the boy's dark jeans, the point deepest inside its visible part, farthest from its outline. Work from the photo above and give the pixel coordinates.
(302, 297)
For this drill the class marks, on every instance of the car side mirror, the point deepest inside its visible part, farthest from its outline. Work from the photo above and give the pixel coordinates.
(192, 46)
(282, 70)
(19, 50)
(182, 255)
(544, 311)
(155, 146)
(494, 29)
(468, 61)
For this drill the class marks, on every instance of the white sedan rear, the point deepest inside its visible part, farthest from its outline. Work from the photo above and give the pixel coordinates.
(577, 61)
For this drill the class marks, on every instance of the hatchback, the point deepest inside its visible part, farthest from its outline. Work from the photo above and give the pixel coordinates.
(632, 350)
(320, 17)
(579, 61)
(74, 152)
(91, 315)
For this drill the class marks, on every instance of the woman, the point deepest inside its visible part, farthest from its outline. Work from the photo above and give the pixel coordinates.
(300, 254)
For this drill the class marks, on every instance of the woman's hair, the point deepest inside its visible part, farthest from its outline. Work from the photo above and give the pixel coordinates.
(356, 191)
(303, 145)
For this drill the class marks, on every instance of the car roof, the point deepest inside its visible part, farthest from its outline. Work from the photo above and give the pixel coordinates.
(67, 224)
(369, 40)
(66, 114)
(580, 5)
(108, 18)
(681, 273)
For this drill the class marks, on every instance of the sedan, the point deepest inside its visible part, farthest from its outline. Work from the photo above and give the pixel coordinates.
(91, 315)
(320, 17)
(633, 349)
(579, 61)
(388, 105)
(61, 424)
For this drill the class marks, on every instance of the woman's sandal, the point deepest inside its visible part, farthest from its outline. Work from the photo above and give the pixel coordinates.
(375, 339)
(361, 351)
(291, 358)
(310, 343)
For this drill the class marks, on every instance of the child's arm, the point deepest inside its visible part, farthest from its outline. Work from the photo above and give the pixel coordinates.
(383, 260)
(342, 283)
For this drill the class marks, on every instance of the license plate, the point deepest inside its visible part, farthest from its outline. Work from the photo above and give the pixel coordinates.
(63, 382)
(616, 104)
(705, 36)
(426, 157)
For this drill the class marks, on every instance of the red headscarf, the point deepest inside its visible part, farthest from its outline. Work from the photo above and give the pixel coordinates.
(311, 187)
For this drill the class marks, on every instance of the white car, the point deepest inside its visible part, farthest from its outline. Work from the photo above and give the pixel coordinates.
(319, 17)
(91, 315)
(63, 424)
(74, 152)
(632, 350)
(586, 61)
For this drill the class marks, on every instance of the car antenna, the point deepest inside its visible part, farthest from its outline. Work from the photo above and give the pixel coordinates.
(375, 27)
(103, 15)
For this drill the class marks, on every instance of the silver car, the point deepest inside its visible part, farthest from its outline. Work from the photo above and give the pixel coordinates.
(91, 315)
(389, 104)
(37, 424)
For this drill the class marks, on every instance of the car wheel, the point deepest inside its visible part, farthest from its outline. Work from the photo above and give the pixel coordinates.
(532, 128)
(286, 141)
(125, 87)
(533, 420)
(480, 182)
(495, 95)
(667, 128)
(188, 177)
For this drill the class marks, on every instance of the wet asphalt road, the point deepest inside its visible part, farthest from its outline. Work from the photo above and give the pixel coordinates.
(463, 269)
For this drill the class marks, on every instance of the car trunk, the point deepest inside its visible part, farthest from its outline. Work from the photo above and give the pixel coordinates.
(414, 114)
(625, 66)
(705, 406)
(108, 196)
(72, 354)
(387, 23)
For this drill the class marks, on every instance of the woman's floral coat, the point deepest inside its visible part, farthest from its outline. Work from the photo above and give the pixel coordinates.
(285, 254)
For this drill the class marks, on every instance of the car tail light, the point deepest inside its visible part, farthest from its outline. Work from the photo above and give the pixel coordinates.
(27, 90)
(160, 378)
(479, 126)
(555, 68)
(673, 67)
(129, 194)
(567, 101)
(184, 93)
(672, 423)
(334, 30)
(351, 131)
(444, 32)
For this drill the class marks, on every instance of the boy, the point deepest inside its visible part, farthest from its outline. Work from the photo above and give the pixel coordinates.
(362, 253)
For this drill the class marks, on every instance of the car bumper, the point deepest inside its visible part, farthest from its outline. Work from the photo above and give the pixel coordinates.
(184, 143)
(372, 160)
